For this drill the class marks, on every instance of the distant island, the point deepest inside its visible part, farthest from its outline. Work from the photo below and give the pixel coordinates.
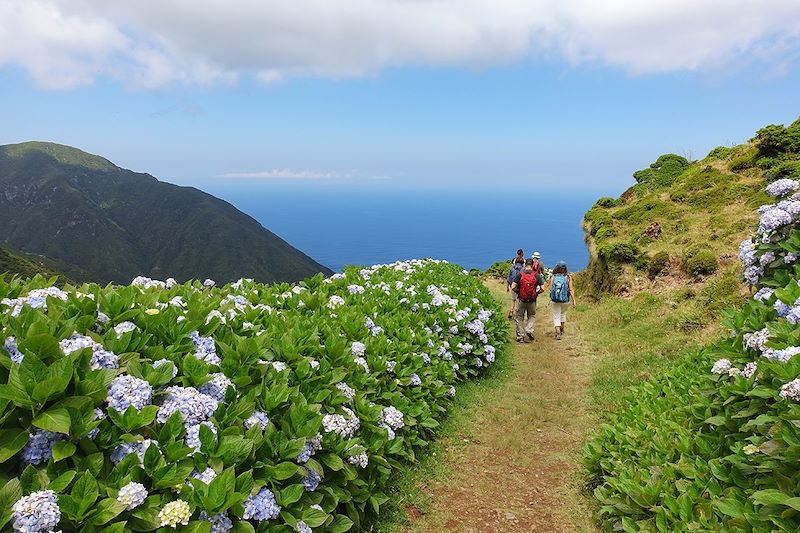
(84, 216)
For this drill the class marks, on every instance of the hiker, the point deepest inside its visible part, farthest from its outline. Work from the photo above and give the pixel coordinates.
(528, 284)
(562, 292)
(516, 266)
(537, 262)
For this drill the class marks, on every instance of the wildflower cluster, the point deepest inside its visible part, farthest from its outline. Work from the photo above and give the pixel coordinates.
(236, 407)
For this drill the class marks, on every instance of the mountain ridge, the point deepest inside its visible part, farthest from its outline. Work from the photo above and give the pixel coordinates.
(86, 212)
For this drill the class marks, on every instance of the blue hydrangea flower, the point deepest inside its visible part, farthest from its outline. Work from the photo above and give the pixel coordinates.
(220, 523)
(124, 327)
(193, 434)
(360, 459)
(39, 448)
(311, 447)
(257, 418)
(763, 294)
(36, 512)
(126, 448)
(358, 349)
(302, 527)
(125, 391)
(341, 425)
(194, 406)
(311, 480)
(104, 359)
(261, 506)
(206, 476)
(772, 218)
(392, 417)
(782, 187)
(217, 386)
(416, 381)
(205, 349)
(11, 347)
(782, 309)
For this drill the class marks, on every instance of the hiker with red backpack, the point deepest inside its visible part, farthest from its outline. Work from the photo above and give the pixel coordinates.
(527, 285)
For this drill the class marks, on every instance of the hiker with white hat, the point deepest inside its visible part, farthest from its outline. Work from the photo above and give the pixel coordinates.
(537, 261)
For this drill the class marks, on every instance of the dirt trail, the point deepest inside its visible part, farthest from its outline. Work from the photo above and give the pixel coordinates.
(514, 464)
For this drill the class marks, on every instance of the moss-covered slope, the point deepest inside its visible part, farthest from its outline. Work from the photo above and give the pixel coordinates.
(683, 220)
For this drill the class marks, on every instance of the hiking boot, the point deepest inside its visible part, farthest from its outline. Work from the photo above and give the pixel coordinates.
(558, 336)
(530, 336)
(520, 340)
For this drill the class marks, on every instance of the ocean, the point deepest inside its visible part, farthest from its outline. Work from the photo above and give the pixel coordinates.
(473, 228)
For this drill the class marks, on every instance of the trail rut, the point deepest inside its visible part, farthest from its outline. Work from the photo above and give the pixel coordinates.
(513, 463)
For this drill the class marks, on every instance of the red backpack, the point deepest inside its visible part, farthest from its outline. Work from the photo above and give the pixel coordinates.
(527, 286)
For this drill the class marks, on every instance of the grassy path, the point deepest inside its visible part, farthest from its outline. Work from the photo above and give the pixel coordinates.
(512, 457)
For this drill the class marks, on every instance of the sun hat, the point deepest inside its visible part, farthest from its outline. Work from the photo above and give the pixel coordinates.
(561, 264)
(537, 255)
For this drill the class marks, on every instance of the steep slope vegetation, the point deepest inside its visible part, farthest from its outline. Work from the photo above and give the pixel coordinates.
(711, 442)
(95, 217)
(13, 264)
(681, 221)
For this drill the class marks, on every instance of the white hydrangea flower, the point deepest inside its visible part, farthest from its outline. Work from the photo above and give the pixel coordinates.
(722, 366)
(175, 513)
(132, 495)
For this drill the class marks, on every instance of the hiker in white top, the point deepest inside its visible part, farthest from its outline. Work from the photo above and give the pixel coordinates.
(562, 293)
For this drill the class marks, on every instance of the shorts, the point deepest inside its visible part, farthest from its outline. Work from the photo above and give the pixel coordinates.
(559, 312)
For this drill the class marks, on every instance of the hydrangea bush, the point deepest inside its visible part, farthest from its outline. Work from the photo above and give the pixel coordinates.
(162, 406)
(714, 444)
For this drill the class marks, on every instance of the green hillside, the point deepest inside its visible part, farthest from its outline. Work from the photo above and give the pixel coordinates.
(104, 223)
(681, 221)
(12, 264)
(707, 440)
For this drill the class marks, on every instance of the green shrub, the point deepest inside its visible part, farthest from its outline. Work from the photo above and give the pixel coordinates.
(720, 152)
(234, 391)
(620, 252)
(605, 232)
(722, 292)
(699, 261)
(645, 210)
(743, 162)
(684, 294)
(597, 219)
(607, 201)
(678, 194)
(499, 269)
(784, 169)
(658, 264)
(776, 140)
(663, 172)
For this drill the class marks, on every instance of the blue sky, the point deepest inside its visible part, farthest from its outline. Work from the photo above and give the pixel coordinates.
(564, 116)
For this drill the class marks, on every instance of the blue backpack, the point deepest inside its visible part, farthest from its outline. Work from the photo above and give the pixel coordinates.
(559, 293)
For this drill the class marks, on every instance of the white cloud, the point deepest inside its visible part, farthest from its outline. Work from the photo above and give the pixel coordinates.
(149, 43)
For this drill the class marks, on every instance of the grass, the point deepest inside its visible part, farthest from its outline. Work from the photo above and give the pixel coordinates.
(633, 339)
(14, 264)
